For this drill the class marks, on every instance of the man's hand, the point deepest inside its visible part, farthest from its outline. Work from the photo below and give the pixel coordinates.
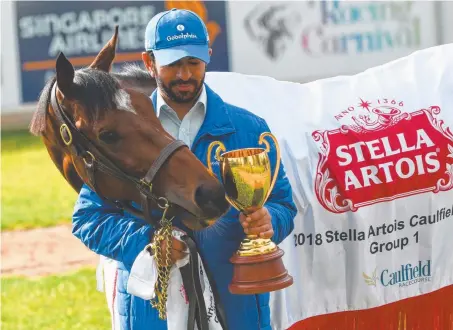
(177, 250)
(257, 223)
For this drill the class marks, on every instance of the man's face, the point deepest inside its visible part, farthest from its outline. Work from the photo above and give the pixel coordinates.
(180, 81)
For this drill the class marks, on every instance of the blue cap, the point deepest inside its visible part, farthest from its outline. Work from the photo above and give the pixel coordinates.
(177, 33)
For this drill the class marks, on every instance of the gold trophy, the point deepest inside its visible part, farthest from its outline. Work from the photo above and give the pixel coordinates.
(246, 176)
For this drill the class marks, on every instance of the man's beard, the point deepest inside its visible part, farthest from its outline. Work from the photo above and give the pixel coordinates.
(181, 96)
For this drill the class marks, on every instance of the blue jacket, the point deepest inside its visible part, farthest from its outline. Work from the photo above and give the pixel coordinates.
(107, 231)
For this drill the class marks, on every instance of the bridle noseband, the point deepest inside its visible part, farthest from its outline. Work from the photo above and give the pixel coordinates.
(80, 146)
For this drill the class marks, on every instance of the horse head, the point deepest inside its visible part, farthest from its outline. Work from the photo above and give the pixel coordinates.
(101, 133)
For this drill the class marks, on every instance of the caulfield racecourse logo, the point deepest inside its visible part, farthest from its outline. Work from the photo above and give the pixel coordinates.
(382, 154)
(406, 275)
(199, 8)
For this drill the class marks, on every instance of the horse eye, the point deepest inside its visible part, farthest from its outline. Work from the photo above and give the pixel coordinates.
(109, 137)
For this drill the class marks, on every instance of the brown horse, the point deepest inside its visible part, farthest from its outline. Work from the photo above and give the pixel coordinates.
(100, 129)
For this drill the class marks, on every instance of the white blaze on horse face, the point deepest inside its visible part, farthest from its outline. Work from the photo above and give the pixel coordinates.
(123, 101)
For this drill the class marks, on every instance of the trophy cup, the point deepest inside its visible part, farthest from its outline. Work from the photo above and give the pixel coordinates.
(246, 176)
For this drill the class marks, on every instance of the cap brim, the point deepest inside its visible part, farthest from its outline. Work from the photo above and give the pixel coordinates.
(169, 55)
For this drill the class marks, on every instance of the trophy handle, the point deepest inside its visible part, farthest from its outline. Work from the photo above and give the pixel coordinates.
(220, 148)
(277, 165)
(218, 157)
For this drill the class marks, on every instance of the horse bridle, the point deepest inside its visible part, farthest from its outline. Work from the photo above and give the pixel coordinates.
(81, 146)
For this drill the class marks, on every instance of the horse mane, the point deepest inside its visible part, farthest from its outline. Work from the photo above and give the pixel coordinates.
(133, 76)
(38, 122)
(96, 90)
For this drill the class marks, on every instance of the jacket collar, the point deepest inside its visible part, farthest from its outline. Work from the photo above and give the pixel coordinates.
(217, 120)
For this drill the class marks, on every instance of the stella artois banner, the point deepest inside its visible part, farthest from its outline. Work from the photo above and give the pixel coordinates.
(370, 161)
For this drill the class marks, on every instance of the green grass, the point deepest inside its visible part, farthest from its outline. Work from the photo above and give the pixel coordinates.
(34, 193)
(54, 302)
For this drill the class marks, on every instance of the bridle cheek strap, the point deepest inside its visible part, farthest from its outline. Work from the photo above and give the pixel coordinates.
(150, 175)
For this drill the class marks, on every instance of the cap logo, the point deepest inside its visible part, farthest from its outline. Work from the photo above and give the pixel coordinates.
(180, 27)
(186, 35)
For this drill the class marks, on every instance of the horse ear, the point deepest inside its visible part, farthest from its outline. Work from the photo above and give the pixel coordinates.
(106, 56)
(65, 74)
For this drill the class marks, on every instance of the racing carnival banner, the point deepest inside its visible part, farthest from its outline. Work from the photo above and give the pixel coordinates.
(370, 161)
(306, 40)
(81, 28)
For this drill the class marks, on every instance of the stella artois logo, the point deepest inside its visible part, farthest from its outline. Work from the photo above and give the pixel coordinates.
(381, 155)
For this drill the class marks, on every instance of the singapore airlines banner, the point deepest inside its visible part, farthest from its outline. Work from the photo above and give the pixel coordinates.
(305, 40)
(81, 28)
(370, 160)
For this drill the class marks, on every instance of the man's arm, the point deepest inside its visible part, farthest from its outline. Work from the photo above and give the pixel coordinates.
(104, 229)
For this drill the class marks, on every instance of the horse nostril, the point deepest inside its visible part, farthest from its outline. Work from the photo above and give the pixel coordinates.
(211, 200)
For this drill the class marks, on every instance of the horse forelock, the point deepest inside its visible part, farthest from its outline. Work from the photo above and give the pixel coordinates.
(96, 91)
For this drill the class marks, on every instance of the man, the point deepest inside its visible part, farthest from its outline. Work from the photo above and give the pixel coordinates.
(177, 53)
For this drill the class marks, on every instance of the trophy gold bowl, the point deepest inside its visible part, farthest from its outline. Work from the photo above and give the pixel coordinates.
(246, 175)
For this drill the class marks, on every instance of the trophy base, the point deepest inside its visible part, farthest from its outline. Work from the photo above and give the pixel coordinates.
(259, 273)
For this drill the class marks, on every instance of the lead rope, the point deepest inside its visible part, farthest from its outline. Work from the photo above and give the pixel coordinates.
(164, 233)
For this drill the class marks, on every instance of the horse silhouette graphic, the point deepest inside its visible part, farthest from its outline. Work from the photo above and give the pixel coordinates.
(272, 26)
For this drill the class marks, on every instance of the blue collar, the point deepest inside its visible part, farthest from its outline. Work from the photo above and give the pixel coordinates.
(217, 120)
